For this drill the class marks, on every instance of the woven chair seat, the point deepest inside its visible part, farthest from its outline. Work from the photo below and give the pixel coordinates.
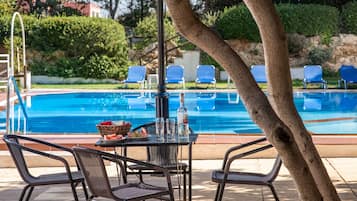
(138, 191)
(57, 178)
(240, 177)
(179, 166)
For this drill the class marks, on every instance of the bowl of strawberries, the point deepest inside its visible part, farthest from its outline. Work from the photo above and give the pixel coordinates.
(113, 128)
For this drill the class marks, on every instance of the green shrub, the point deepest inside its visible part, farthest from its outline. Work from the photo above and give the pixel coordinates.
(309, 19)
(6, 7)
(305, 19)
(147, 30)
(296, 43)
(237, 23)
(319, 55)
(62, 67)
(5, 24)
(349, 18)
(79, 40)
(98, 66)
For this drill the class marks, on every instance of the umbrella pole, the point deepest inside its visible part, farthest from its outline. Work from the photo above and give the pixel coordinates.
(162, 99)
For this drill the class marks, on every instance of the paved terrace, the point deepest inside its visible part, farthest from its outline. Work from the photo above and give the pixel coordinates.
(343, 172)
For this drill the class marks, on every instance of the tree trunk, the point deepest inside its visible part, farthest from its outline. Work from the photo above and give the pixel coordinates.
(255, 100)
(279, 87)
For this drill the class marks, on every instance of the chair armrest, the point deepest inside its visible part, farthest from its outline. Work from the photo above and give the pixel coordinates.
(230, 150)
(38, 141)
(244, 154)
(51, 156)
(122, 167)
(44, 143)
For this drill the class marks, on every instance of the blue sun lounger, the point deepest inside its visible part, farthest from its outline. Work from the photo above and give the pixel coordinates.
(136, 74)
(258, 72)
(206, 75)
(348, 75)
(313, 75)
(174, 75)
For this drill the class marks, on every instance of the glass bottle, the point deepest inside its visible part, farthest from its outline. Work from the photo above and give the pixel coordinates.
(182, 118)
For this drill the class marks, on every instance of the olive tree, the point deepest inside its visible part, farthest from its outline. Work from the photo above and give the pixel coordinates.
(276, 114)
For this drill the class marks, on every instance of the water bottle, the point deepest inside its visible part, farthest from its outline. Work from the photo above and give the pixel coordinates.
(182, 118)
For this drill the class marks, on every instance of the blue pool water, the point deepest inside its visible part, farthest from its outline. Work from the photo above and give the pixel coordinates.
(214, 113)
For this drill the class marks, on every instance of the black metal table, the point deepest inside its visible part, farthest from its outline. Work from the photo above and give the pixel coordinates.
(152, 140)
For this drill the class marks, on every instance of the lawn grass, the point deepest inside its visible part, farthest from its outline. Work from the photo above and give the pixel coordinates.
(297, 84)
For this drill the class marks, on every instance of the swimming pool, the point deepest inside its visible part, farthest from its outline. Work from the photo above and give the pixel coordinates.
(209, 112)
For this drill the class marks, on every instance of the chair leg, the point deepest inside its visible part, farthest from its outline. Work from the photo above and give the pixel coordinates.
(90, 198)
(140, 176)
(274, 192)
(23, 192)
(184, 185)
(73, 187)
(220, 192)
(29, 193)
(85, 190)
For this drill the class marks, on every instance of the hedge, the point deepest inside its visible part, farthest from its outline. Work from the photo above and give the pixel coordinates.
(305, 19)
(74, 46)
(349, 18)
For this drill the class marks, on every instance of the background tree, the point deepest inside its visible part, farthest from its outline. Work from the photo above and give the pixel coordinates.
(282, 125)
(111, 5)
(138, 10)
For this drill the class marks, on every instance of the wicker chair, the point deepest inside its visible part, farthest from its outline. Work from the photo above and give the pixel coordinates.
(16, 150)
(93, 168)
(165, 156)
(226, 175)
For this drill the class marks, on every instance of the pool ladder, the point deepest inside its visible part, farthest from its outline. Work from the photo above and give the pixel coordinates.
(12, 84)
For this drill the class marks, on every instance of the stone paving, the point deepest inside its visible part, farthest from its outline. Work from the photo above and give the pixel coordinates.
(343, 172)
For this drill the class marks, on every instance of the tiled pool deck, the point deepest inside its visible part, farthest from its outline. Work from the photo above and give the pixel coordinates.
(343, 172)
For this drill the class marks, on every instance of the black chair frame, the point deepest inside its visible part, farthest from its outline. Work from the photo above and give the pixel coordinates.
(225, 175)
(177, 168)
(16, 149)
(120, 160)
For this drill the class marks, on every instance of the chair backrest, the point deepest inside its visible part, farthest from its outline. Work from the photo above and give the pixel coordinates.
(93, 170)
(174, 73)
(160, 155)
(206, 73)
(136, 74)
(16, 151)
(274, 172)
(348, 73)
(312, 73)
(258, 72)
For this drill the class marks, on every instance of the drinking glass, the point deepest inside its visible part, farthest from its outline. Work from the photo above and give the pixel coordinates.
(171, 129)
(160, 128)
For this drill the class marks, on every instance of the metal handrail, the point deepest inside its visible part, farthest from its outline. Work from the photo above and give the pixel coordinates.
(11, 78)
(19, 97)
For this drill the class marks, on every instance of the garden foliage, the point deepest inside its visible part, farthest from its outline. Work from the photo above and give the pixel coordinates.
(74, 46)
(147, 30)
(349, 18)
(305, 19)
